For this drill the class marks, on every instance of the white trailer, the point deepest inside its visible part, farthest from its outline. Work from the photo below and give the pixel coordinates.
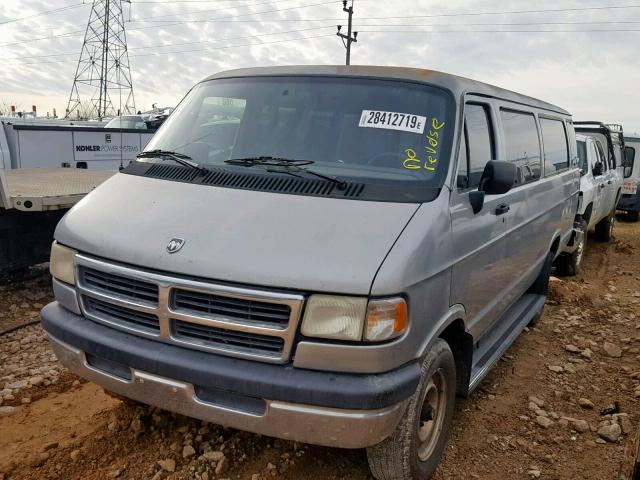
(48, 144)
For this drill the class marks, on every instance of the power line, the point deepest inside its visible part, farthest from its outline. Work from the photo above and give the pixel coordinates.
(40, 14)
(195, 50)
(609, 30)
(165, 45)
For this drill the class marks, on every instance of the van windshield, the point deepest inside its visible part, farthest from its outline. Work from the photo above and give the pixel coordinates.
(377, 131)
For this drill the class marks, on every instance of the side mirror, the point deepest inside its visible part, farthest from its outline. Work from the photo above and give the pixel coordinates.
(598, 169)
(498, 177)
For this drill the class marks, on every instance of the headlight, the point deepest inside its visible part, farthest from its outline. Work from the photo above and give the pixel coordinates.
(62, 267)
(334, 316)
(353, 318)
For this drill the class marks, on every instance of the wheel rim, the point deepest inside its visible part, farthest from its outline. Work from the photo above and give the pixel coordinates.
(432, 415)
(579, 253)
(611, 225)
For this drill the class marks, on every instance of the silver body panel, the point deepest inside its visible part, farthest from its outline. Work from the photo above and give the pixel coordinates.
(239, 236)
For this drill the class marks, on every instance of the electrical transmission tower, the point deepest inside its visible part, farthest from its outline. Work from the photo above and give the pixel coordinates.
(102, 85)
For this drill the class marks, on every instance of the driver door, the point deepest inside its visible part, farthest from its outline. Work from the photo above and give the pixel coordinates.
(479, 275)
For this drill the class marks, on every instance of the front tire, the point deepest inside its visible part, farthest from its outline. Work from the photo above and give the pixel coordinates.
(604, 228)
(414, 449)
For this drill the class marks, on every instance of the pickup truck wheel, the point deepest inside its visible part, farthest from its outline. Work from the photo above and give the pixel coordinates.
(414, 449)
(633, 216)
(569, 264)
(604, 228)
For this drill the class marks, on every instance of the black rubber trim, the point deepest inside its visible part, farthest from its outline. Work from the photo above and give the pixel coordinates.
(243, 377)
(240, 178)
(79, 128)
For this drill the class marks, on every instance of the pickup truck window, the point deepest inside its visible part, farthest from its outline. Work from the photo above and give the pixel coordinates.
(582, 157)
(478, 143)
(522, 144)
(602, 157)
(369, 130)
(556, 148)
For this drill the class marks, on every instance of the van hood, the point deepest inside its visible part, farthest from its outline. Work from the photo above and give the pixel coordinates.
(240, 236)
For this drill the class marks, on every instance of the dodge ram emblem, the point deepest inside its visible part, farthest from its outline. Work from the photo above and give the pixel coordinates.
(175, 245)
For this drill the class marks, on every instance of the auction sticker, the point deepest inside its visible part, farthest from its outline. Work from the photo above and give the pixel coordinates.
(392, 121)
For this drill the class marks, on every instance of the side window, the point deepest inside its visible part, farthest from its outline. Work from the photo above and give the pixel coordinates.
(522, 144)
(479, 145)
(594, 155)
(582, 157)
(556, 148)
(602, 157)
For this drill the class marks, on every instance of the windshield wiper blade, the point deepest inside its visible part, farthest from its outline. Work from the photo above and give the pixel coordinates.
(177, 157)
(284, 165)
(270, 161)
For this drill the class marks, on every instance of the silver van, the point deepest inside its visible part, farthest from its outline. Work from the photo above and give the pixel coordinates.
(325, 254)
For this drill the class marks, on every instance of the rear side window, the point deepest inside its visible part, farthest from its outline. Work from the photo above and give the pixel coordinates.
(556, 148)
(522, 144)
(478, 145)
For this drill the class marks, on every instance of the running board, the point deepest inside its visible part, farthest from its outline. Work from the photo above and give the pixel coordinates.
(495, 342)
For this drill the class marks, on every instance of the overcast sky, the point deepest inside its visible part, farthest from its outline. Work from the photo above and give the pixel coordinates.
(173, 44)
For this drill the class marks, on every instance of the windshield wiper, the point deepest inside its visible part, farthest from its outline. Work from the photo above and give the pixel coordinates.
(177, 157)
(283, 165)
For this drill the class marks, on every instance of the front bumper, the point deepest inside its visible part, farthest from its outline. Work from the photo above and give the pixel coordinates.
(339, 410)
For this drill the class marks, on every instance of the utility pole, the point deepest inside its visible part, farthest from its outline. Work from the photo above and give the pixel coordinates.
(103, 67)
(348, 37)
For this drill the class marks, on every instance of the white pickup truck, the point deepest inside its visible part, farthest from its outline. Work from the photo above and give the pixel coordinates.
(600, 187)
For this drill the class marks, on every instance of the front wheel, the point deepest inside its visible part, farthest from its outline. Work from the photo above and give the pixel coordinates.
(414, 449)
(604, 228)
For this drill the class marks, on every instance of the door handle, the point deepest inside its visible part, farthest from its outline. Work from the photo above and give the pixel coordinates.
(502, 209)
(609, 182)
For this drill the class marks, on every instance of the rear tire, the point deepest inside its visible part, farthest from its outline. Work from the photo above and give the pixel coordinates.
(604, 228)
(633, 216)
(569, 264)
(414, 449)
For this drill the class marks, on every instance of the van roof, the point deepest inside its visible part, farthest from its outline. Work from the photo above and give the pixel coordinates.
(457, 85)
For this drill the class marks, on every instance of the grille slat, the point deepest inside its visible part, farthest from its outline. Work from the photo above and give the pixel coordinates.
(222, 338)
(126, 287)
(235, 309)
(125, 317)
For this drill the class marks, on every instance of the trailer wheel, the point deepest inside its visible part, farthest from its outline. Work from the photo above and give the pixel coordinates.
(413, 450)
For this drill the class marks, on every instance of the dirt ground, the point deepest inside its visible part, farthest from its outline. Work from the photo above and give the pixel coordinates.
(563, 403)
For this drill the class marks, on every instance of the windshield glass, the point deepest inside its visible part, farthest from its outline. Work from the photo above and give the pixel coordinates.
(367, 129)
(126, 122)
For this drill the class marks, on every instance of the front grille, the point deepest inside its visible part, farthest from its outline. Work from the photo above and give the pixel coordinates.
(124, 317)
(237, 310)
(231, 320)
(227, 339)
(128, 288)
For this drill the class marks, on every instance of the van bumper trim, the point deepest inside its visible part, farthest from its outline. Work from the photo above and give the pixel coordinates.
(345, 428)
